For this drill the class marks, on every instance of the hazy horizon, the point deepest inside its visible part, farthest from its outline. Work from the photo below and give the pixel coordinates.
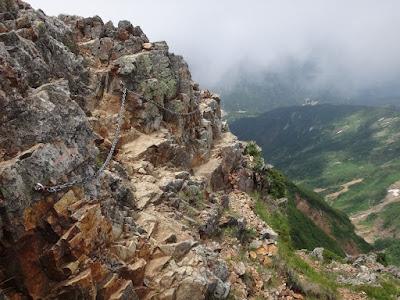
(353, 45)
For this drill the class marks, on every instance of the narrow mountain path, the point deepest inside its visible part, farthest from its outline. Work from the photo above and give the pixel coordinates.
(242, 204)
(344, 190)
(391, 197)
(227, 138)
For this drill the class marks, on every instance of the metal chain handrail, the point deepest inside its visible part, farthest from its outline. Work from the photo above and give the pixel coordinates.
(54, 189)
(163, 107)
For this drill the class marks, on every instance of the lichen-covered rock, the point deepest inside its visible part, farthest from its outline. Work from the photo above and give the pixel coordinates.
(140, 228)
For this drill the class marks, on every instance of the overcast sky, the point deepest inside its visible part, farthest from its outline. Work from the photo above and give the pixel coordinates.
(352, 41)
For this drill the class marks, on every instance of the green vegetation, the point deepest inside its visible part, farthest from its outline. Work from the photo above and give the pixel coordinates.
(382, 259)
(253, 150)
(3, 192)
(194, 195)
(296, 227)
(392, 248)
(276, 182)
(324, 147)
(305, 234)
(101, 157)
(390, 217)
(340, 225)
(329, 256)
(277, 221)
(290, 265)
(98, 161)
(371, 218)
(386, 291)
(303, 278)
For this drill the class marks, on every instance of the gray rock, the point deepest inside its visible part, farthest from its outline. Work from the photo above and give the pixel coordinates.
(211, 225)
(317, 252)
(178, 250)
(394, 270)
(191, 288)
(3, 296)
(364, 269)
(225, 202)
(169, 184)
(245, 180)
(218, 280)
(47, 116)
(367, 277)
(269, 233)
(50, 133)
(121, 192)
(255, 244)
(364, 259)
(231, 160)
(241, 227)
(109, 30)
(229, 221)
(182, 175)
(283, 202)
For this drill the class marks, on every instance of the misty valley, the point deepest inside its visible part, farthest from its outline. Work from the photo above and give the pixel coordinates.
(348, 156)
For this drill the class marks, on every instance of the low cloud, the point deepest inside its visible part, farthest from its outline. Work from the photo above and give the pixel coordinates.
(353, 44)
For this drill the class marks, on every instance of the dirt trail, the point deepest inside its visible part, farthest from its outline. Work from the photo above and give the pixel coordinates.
(371, 233)
(207, 168)
(345, 189)
(391, 197)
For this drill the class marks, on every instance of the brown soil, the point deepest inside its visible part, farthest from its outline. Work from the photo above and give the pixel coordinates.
(344, 190)
(321, 221)
(370, 234)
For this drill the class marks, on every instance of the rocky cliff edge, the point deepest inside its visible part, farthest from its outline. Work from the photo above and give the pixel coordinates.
(139, 230)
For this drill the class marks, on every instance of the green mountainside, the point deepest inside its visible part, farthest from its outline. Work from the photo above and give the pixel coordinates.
(307, 220)
(349, 154)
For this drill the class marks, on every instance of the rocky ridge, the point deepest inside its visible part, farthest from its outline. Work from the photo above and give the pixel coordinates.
(169, 218)
(140, 230)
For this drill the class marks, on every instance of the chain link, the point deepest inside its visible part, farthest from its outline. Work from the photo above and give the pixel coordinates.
(54, 189)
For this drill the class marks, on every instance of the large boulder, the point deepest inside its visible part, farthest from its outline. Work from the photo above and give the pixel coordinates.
(47, 137)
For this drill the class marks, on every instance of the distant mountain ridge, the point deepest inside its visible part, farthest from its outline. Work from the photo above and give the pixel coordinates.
(295, 83)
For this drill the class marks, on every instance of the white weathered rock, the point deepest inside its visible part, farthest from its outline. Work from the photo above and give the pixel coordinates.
(317, 252)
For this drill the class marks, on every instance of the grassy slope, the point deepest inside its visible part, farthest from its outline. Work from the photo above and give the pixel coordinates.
(326, 146)
(303, 232)
(341, 227)
(303, 278)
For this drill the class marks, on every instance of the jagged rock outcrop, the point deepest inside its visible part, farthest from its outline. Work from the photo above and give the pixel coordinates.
(134, 231)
